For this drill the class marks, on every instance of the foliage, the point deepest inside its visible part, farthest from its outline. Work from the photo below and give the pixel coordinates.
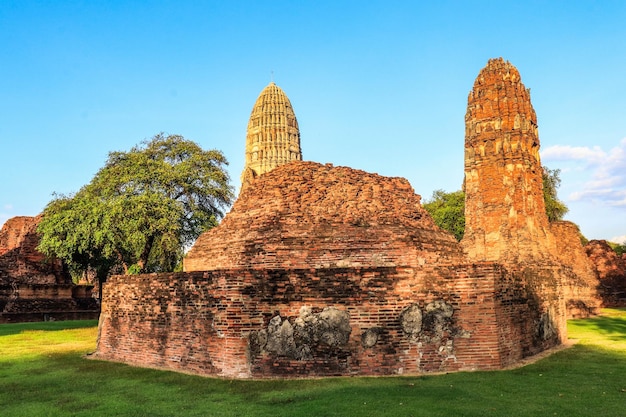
(43, 371)
(555, 208)
(140, 210)
(448, 211)
(583, 239)
(620, 249)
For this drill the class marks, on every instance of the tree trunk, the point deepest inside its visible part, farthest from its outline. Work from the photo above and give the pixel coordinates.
(145, 254)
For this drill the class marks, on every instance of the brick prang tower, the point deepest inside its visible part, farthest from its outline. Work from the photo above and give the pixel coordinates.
(505, 212)
(273, 137)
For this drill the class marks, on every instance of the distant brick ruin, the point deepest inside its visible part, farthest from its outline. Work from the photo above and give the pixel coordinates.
(19, 258)
(320, 270)
(611, 271)
(33, 288)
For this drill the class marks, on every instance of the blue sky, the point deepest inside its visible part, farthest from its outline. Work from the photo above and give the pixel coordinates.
(376, 85)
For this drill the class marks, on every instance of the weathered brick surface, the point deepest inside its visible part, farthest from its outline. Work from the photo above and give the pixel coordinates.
(505, 213)
(37, 302)
(309, 215)
(20, 261)
(211, 322)
(611, 271)
(580, 280)
(505, 216)
(33, 288)
(308, 245)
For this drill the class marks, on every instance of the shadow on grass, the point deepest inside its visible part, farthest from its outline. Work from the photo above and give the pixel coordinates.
(580, 381)
(614, 328)
(16, 328)
(584, 380)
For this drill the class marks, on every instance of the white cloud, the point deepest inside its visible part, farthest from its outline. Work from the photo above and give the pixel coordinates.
(565, 152)
(619, 239)
(606, 171)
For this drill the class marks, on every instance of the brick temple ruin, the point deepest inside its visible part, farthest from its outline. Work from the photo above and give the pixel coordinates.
(320, 270)
(32, 287)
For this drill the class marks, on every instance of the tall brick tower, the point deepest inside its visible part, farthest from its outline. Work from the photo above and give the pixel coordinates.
(504, 208)
(273, 136)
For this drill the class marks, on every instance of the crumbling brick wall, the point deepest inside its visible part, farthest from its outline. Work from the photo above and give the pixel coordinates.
(309, 215)
(505, 213)
(41, 302)
(338, 321)
(505, 218)
(20, 261)
(580, 280)
(611, 271)
(32, 287)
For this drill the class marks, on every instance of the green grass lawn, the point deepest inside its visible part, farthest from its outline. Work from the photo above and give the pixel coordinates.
(43, 373)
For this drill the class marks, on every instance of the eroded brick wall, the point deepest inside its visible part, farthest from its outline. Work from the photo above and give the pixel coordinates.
(579, 278)
(32, 287)
(611, 271)
(505, 216)
(338, 321)
(505, 213)
(40, 302)
(531, 312)
(20, 261)
(309, 215)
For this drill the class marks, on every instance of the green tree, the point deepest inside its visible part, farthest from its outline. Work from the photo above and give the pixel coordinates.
(555, 208)
(448, 211)
(140, 211)
(619, 248)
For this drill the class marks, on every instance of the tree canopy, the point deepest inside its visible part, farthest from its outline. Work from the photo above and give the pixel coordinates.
(141, 210)
(555, 208)
(448, 211)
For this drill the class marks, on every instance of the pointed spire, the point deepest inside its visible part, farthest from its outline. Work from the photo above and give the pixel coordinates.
(506, 217)
(273, 136)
